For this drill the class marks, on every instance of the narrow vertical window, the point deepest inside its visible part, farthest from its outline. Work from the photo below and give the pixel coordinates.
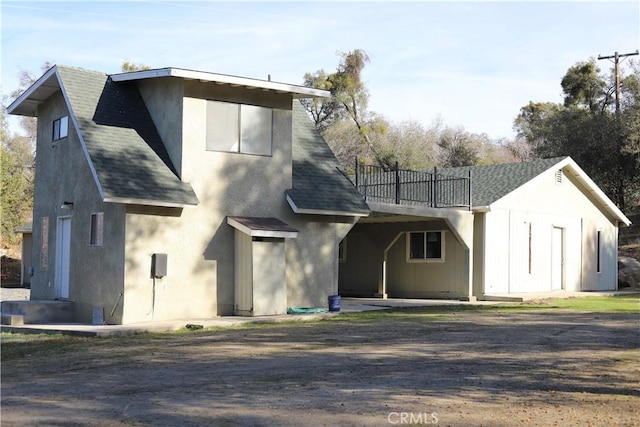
(60, 128)
(598, 251)
(97, 221)
(44, 243)
(342, 250)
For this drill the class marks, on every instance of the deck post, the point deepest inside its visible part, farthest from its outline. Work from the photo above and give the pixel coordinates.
(435, 187)
(397, 185)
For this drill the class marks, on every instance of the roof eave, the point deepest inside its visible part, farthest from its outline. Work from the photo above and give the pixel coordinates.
(306, 211)
(148, 202)
(27, 103)
(223, 79)
(595, 191)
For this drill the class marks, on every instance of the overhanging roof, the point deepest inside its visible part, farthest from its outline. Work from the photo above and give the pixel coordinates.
(27, 103)
(262, 227)
(223, 79)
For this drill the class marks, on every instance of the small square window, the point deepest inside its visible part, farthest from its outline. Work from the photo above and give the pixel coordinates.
(97, 229)
(425, 246)
(60, 128)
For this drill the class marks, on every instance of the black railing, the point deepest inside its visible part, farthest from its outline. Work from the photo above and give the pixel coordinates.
(402, 186)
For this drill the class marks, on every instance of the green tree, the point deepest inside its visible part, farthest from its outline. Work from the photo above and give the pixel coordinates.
(128, 66)
(16, 182)
(586, 127)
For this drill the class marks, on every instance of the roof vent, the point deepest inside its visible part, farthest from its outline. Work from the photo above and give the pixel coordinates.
(559, 176)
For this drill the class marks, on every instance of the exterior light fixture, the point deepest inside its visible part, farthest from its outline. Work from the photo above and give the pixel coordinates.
(67, 205)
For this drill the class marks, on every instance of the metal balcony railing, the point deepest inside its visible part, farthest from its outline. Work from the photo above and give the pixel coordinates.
(402, 186)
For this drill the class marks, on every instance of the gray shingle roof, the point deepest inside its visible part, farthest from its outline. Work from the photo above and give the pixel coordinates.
(318, 183)
(124, 146)
(492, 182)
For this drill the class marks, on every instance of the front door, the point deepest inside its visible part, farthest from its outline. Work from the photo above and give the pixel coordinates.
(63, 252)
(557, 259)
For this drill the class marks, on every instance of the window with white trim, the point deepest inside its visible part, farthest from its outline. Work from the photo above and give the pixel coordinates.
(97, 229)
(425, 246)
(60, 128)
(239, 128)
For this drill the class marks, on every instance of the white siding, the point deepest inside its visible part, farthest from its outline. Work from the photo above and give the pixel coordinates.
(514, 264)
(496, 252)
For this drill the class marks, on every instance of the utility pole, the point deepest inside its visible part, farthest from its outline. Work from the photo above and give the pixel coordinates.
(616, 61)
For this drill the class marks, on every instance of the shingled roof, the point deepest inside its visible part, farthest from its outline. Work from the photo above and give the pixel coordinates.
(492, 182)
(319, 186)
(122, 142)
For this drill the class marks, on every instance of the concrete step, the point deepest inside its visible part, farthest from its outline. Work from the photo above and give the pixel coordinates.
(40, 311)
(11, 319)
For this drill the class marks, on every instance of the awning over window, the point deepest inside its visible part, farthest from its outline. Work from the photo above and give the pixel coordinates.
(263, 227)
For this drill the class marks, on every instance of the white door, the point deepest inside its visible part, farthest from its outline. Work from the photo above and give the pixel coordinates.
(63, 252)
(557, 259)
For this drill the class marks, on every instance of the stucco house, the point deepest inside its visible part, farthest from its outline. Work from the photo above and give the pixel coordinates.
(529, 227)
(172, 194)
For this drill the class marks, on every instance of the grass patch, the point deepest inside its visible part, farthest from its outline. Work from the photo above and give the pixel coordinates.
(614, 304)
(14, 346)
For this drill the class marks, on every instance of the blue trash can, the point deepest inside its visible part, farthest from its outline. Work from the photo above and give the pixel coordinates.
(334, 303)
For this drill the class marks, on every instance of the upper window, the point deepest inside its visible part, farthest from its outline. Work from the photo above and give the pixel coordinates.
(60, 128)
(425, 246)
(239, 128)
(97, 229)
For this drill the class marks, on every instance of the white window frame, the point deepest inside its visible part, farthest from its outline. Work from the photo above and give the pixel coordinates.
(96, 229)
(426, 259)
(60, 128)
(243, 139)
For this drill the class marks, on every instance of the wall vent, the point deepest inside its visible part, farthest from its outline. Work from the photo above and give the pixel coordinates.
(559, 176)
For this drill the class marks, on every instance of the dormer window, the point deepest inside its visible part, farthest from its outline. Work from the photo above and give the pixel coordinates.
(60, 128)
(239, 128)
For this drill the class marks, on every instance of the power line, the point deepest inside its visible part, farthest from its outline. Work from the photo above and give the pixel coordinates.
(616, 62)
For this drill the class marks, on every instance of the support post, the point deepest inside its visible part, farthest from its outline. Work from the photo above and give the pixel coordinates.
(435, 187)
(397, 185)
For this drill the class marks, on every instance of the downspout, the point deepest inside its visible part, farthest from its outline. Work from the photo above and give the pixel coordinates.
(383, 291)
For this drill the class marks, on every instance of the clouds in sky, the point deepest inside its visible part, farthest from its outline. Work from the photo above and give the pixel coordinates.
(472, 64)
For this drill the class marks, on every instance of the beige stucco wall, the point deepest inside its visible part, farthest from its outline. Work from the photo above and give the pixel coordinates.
(163, 98)
(539, 206)
(199, 242)
(63, 174)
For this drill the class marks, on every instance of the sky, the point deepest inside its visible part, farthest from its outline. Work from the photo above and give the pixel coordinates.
(472, 64)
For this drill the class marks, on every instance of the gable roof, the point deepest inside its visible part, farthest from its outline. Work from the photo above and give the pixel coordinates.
(319, 186)
(124, 151)
(493, 182)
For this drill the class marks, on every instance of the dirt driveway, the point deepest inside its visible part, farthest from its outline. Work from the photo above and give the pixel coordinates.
(467, 369)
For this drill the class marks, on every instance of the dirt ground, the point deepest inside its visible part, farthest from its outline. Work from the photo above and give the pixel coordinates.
(467, 369)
